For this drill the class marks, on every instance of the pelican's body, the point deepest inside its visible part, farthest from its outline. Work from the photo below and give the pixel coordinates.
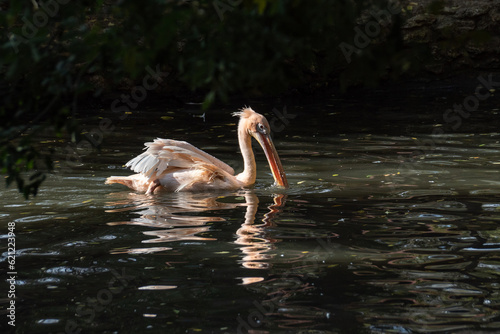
(172, 165)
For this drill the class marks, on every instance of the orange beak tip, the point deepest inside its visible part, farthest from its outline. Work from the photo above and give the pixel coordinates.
(281, 181)
(281, 186)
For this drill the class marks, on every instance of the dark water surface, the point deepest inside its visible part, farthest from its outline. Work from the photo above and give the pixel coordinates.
(391, 225)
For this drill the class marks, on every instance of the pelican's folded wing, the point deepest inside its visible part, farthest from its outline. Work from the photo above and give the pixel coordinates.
(162, 154)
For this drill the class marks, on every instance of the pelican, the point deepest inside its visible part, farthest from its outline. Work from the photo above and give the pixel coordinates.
(171, 165)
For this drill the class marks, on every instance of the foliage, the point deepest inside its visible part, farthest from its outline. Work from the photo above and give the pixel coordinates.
(51, 55)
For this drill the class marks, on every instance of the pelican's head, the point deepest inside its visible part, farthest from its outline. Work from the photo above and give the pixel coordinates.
(258, 127)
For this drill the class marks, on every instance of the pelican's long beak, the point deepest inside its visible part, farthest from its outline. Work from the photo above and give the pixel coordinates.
(273, 159)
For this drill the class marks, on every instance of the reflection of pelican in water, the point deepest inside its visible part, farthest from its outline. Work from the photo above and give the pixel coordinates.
(175, 217)
(172, 216)
(252, 236)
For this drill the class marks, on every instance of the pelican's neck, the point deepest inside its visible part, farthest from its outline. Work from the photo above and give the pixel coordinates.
(247, 177)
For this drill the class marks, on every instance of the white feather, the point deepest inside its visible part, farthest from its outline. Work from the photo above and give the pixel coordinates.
(162, 154)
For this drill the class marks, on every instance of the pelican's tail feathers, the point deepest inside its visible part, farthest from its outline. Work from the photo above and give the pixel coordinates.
(137, 182)
(125, 180)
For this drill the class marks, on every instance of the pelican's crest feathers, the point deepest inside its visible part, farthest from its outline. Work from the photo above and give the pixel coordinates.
(244, 112)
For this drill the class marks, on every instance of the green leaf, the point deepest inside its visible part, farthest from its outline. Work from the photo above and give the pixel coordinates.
(209, 99)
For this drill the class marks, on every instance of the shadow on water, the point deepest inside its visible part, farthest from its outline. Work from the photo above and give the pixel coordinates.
(385, 228)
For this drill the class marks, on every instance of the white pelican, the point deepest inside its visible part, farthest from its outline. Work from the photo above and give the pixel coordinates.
(172, 165)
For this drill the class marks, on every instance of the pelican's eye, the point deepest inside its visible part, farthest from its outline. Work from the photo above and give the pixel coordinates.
(262, 128)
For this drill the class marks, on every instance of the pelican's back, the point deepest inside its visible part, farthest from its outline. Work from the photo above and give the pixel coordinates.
(164, 155)
(175, 165)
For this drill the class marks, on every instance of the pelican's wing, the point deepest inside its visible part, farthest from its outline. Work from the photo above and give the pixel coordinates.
(162, 154)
